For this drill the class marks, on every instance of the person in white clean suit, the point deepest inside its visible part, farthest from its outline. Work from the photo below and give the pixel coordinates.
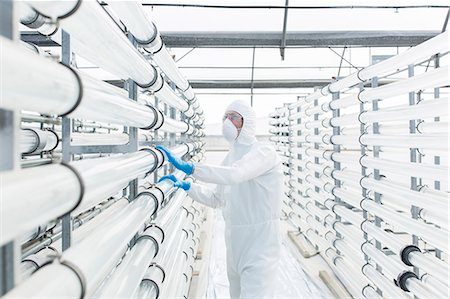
(249, 189)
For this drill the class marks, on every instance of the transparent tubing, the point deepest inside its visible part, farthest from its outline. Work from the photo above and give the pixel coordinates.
(435, 201)
(104, 102)
(437, 44)
(134, 17)
(441, 288)
(34, 196)
(104, 45)
(433, 235)
(433, 128)
(103, 177)
(147, 290)
(125, 280)
(420, 289)
(99, 139)
(173, 126)
(434, 78)
(403, 141)
(344, 120)
(35, 141)
(428, 108)
(94, 257)
(53, 88)
(435, 172)
(168, 96)
(389, 289)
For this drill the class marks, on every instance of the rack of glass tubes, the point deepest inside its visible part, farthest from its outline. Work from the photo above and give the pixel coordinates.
(366, 165)
(82, 211)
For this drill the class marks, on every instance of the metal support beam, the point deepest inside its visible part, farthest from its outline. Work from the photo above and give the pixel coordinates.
(296, 39)
(283, 36)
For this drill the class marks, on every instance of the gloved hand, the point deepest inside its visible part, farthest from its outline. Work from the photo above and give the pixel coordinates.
(186, 167)
(176, 182)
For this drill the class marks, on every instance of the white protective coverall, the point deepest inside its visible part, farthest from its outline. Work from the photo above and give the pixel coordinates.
(249, 189)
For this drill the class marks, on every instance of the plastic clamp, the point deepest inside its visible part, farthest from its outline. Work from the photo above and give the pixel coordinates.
(155, 156)
(405, 251)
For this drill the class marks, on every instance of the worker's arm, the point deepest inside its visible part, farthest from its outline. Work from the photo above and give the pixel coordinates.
(251, 165)
(206, 195)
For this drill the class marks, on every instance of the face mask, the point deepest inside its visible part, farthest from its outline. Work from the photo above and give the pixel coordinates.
(229, 131)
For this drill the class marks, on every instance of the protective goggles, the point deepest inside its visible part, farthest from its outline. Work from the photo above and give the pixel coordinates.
(231, 116)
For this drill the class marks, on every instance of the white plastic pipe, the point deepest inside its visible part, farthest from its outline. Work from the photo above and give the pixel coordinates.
(435, 172)
(390, 290)
(126, 279)
(437, 44)
(403, 141)
(93, 258)
(35, 141)
(173, 126)
(50, 88)
(134, 17)
(432, 235)
(425, 109)
(34, 196)
(434, 78)
(99, 139)
(106, 46)
(103, 177)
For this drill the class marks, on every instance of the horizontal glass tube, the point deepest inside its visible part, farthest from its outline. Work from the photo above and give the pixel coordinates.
(351, 140)
(344, 102)
(391, 266)
(105, 102)
(440, 287)
(126, 279)
(99, 139)
(354, 217)
(390, 290)
(434, 201)
(437, 44)
(434, 78)
(430, 234)
(436, 172)
(430, 264)
(25, 163)
(433, 128)
(147, 290)
(168, 96)
(343, 157)
(428, 108)
(103, 177)
(419, 289)
(51, 88)
(404, 141)
(106, 46)
(34, 196)
(348, 196)
(173, 126)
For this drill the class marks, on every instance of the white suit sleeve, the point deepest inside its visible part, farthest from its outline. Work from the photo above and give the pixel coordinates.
(253, 164)
(206, 195)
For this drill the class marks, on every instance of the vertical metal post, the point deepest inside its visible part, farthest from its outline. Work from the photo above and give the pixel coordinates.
(166, 135)
(437, 159)
(132, 131)
(9, 154)
(336, 165)
(66, 136)
(363, 169)
(155, 136)
(414, 157)
(252, 82)
(316, 159)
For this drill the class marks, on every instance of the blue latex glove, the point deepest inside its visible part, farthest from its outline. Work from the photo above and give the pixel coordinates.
(186, 167)
(176, 182)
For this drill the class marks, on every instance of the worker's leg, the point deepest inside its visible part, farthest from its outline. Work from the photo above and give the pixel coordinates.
(235, 283)
(259, 281)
